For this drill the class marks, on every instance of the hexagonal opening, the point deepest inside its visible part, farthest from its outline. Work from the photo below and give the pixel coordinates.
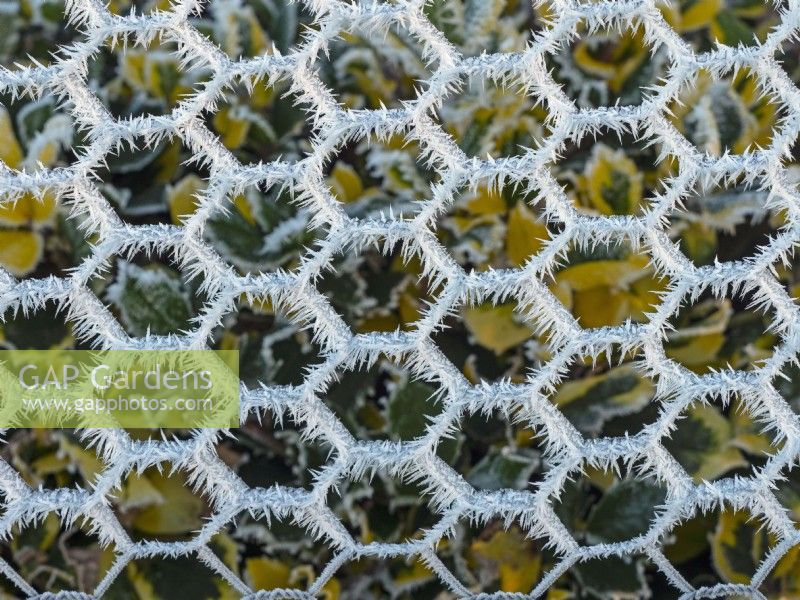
(493, 28)
(610, 174)
(721, 545)
(608, 505)
(268, 450)
(367, 70)
(381, 508)
(488, 342)
(149, 294)
(38, 330)
(54, 558)
(136, 80)
(259, 121)
(159, 503)
(705, 23)
(149, 184)
(273, 348)
(384, 401)
(51, 458)
(489, 226)
(628, 576)
(732, 114)
(713, 442)
(270, 553)
(607, 285)
(258, 231)
(724, 222)
(608, 395)
(37, 31)
(495, 557)
(495, 452)
(377, 287)
(36, 236)
(250, 29)
(486, 118)
(712, 333)
(169, 577)
(381, 177)
(609, 67)
(38, 132)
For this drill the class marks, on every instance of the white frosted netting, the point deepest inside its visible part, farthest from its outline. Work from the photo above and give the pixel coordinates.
(451, 497)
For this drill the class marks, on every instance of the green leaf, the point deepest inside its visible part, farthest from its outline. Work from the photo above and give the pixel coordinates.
(42, 329)
(499, 470)
(589, 402)
(32, 117)
(738, 546)
(409, 409)
(702, 444)
(613, 577)
(734, 30)
(496, 327)
(151, 299)
(625, 511)
(239, 240)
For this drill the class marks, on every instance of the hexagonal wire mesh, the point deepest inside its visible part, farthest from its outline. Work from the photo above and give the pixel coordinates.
(410, 229)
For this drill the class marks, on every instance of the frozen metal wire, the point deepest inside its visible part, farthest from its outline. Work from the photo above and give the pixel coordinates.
(447, 492)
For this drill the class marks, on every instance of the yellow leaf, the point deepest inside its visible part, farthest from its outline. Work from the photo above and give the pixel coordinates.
(556, 594)
(138, 492)
(345, 183)
(10, 150)
(227, 549)
(525, 234)
(20, 251)
(257, 38)
(637, 396)
(612, 182)
(699, 14)
(600, 307)
(28, 210)
(720, 456)
(788, 564)
(738, 546)
(181, 197)
(180, 511)
(332, 590)
(142, 586)
(408, 306)
(266, 573)
(132, 69)
(563, 292)
(496, 327)
(515, 557)
(234, 130)
(612, 273)
(698, 352)
(245, 209)
(87, 461)
(48, 464)
(699, 242)
(486, 201)
(749, 434)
